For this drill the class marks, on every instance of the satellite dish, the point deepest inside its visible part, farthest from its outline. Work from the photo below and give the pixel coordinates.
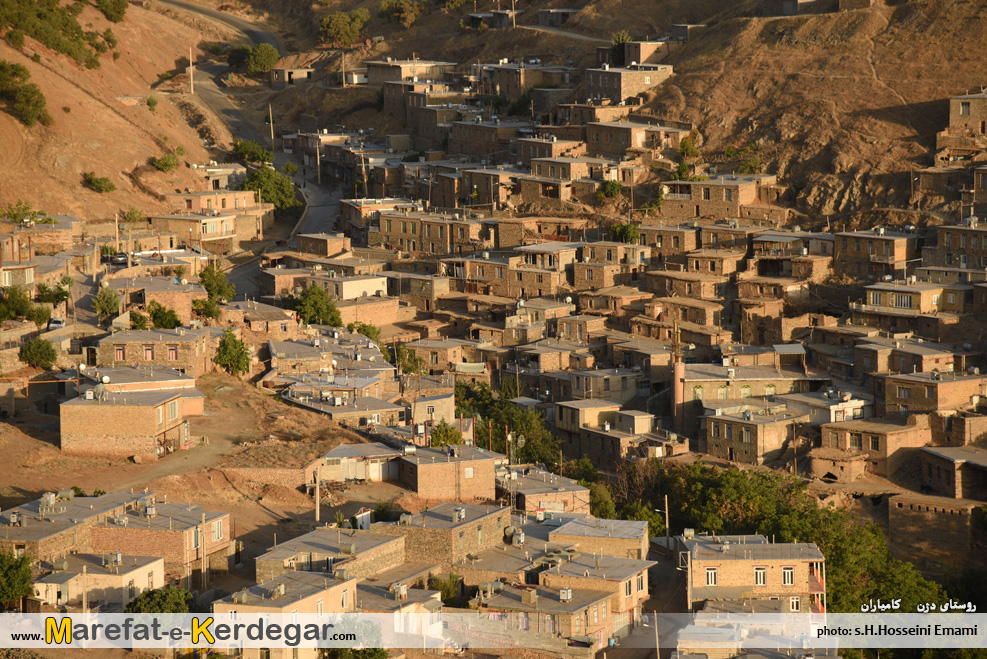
(184, 282)
(106, 379)
(82, 367)
(521, 441)
(568, 299)
(104, 284)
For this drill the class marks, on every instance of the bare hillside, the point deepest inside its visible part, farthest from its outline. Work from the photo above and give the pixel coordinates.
(101, 123)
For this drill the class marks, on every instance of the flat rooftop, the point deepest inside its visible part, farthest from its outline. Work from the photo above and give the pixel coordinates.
(442, 516)
(324, 542)
(603, 528)
(297, 586)
(748, 548)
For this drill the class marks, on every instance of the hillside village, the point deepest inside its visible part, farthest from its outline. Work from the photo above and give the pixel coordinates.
(483, 341)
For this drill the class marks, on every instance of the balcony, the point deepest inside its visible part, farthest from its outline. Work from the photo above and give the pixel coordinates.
(676, 196)
(882, 258)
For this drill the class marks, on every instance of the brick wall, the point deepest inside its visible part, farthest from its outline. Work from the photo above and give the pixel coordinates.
(447, 481)
(934, 530)
(442, 545)
(363, 564)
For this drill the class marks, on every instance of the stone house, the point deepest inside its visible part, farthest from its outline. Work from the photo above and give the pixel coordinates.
(187, 350)
(454, 473)
(620, 83)
(449, 532)
(326, 550)
(756, 436)
(609, 537)
(887, 444)
(110, 584)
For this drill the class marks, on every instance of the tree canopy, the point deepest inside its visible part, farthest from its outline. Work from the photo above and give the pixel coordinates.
(106, 303)
(216, 284)
(15, 577)
(341, 28)
(445, 434)
(161, 600)
(232, 354)
(39, 353)
(315, 306)
(274, 187)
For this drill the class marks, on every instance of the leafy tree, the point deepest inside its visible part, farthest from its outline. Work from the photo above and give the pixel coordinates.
(601, 502)
(106, 303)
(39, 353)
(582, 469)
(232, 354)
(262, 58)
(216, 284)
(315, 306)
(444, 434)
(138, 321)
(625, 233)
(21, 211)
(53, 295)
(162, 317)
(617, 41)
(274, 187)
(405, 12)
(161, 600)
(239, 57)
(289, 168)
(448, 587)
(15, 304)
(640, 511)
(23, 99)
(409, 362)
(250, 151)
(687, 148)
(167, 162)
(343, 29)
(114, 10)
(208, 308)
(100, 184)
(372, 332)
(610, 189)
(152, 103)
(39, 315)
(751, 164)
(15, 577)
(133, 215)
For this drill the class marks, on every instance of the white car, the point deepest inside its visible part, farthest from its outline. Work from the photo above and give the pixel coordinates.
(56, 323)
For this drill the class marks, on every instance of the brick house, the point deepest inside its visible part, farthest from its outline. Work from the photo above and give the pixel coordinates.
(538, 490)
(485, 139)
(617, 138)
(449, 532)
(454, 473)
(529, 148)
(145, 425)
(610, 537)
(669, 243)
(913, 393)
(624, 579)
(752, 437)
(749, 567)
(277, 323)
(955, 471)
(193, 541)
(109, 584)
(887, 444)
(874, 253)
(323, 244)
(381, 71)
(722, 197)
(139, 292)
(325, 550)
(697, 285)
(187, 350)
(620, 83)
(966, 134)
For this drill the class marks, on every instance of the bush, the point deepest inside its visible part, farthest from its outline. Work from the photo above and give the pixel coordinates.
(232, 354)
(114, 10)
(16, 38)
(687, 148)
(15, 303)
(239, 57)
(289, 168)
(405, 12)
(100, 184)
(161, 600)
(39, 353)
(23, 99)
(179, 150)
(611, 189)
(152, 103)
(617, 41)
(55, 24)
(751, 164)
(21, 211)
(131, 215)
(249, 60)
(162, 317)
(39, 315)
(167, 162)
(250, 151)
(274, 187)
(343, 29)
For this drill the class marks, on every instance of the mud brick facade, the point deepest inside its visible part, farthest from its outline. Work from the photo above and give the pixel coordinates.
(751, 438)
(146, 425)
(440, 535)
(619, 538)
(621, 83)
(323, 244)
(931, 531)
(360, 553)
(193, 542)
(956, 471)
(873, 254)
(187, 350)
(373, 310)
(888, 445)
(456, 473)
(913, 393)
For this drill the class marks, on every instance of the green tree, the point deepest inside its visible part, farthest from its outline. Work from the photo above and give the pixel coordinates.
(617, 41)
(152, 103)
(39, 315)
(20, 211)
(162, 317)
(687, 148)
(250, 151)
(238, 57)
(161, 600)
(289, 168)
(262, 58)
(372, 332)
(208, 308)
(751, 164)
(23, 99)
(106, 303)
(15, 577)
(39, 353)
(114, 10)
(15, 304)
(274, 187)
(216, 284)
(316, 307)
(54, 295)
(444, 434)
(448, 587)
(232, 354)
(133, 215)
(138, 321)
(643, 512)
(601, 502)
(609, 190)
(582, 469)
(339, 28)
(99, 184)
(405, 12)
(167, 162)
(408, 361)
(625, 233)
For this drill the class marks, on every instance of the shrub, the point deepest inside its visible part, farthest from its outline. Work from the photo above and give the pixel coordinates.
(250, 151)
(99, 184)
(611, 189)
(405, 12)
(16, 38)
(289, 168)
(163, 317)
(239, 57)
(39, 315)
(167, 162)
(21, 211)
(110, 38)
(15, 303)
(232, 354)
(274, 187)
(39, 353)
(114, 10)
(166, 75)
(152, 103)
(23, 99)
(751, 164)
(617, 41)
(179, 150)
(262, 58)
(343, 29)
(131, 215)
(687, 148)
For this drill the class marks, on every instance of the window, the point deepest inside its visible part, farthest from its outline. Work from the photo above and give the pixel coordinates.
(627, 588)
(903, 301)
(856, 441)
(788, 576)
(603, 611)
(714, 429)
(904, 392)
(344, 598)
(119, 353)
(728, 195)
(796, 604)
(697, 393)
(728, 431)
(770, 390)
(930, 391)
(875, 298)
(160, 415)
(132, 589)
(173, 410)
(469, 472)
(640, 585)
(462, 539)
(217, 530)
(711, 576)
(951, 298)
(706, 195)
(875, 443)
(746, 435)
(745, 391)
(150, 581)
(479, 536)
(596, 615)
(965, 108)
(149, 353)
(435, 357)
(760, 576)
(430, 410)
(195, 538)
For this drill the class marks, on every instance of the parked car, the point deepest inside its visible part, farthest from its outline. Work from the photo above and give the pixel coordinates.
(119, 259)
(56, 323)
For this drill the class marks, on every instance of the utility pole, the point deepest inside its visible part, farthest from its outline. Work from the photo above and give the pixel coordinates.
(666, 522)
(116, 224)
(270, 115)
(318, 498)
(318, 160)
(191, 73)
